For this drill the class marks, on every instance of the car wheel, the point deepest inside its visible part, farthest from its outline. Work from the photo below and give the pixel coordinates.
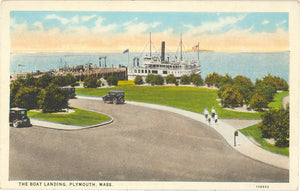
(122, 100)
(115, 100)
(16, 124)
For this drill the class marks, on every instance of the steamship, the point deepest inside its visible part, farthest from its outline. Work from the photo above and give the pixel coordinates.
(160, 65)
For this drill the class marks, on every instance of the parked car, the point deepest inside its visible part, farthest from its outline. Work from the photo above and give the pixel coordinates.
(18, 117)
(114, 96)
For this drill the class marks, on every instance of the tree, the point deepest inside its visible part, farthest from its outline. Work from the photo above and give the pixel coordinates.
(138, 80)
(231, 97)
(30, 80)
(70, 79)
(157, 80)
(275, 124)
(15, 86)
(170, 79)
(267, 90)
(149, 78)
(27, 97)
(60, 80)
(52, 98)
(184, 79)
(258, 101)
(276, 82)
(225, 80)
(212, 79)
(45, 80)
(112, 80)
(245, 87)
(196, 79)
(90, 81)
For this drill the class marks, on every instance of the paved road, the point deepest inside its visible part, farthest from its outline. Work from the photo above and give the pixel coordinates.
(141, 144)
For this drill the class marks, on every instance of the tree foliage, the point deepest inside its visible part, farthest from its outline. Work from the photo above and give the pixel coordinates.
(27, 97)
(212, 79)
(138, 80)
(112, 80)
(45, 80)
(52, 98)
(149, 78)
(196, 79)
(184, 79)
(170, 79)
(258, 101)
(90, 82)
(276, 82)
(245, 87)
(275, 124)
(225, 80)
(231, 96)
(157, 80)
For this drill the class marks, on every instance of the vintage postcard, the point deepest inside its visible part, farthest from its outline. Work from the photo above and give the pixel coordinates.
(181, 95)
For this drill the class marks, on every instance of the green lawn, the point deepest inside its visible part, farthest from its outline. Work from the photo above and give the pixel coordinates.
(255, 132)
(188, 98)
(79, 117)
(277, 99)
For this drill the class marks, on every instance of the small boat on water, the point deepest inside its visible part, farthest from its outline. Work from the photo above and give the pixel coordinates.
(160, 65)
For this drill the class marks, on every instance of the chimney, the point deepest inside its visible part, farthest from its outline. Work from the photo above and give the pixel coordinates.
(163, 51)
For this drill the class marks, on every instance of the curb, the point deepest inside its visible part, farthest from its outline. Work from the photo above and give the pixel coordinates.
(69, 127)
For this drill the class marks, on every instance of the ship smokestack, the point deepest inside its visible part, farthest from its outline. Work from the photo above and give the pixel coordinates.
(163, 51)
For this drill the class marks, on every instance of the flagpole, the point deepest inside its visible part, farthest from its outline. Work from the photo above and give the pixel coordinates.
(198, 51)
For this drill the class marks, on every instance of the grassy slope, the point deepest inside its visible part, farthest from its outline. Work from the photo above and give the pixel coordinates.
(79, 117)
(255, 132)
(277, 99)
(188, 98)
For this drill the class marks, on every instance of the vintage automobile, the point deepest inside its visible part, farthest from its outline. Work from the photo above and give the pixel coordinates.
(114, 96)
(18, 117)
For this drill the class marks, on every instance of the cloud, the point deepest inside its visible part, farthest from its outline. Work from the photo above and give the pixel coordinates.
(265, 22)
(221, 23)
(140, 27)
(75, 19)
(60, 19)
(39, 25)
(87, 18)
(100, 28)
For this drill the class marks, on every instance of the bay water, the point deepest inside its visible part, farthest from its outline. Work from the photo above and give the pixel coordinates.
(250, 64)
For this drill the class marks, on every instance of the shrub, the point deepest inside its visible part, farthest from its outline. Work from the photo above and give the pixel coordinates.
(275, 124)
(112, 81)
(258, 101)
(231, 97)
(170, 79)
(138, 80)
(212, 79)
(52, 99)
(196, 79)
(90, 82)
(184, 79)
(157, 80)
(225, 80)
(149, 78)
(27, 97)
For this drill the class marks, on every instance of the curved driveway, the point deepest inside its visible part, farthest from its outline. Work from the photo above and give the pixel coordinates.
(141, 144)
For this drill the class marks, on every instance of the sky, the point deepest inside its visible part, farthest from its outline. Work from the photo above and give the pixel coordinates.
(74, 31)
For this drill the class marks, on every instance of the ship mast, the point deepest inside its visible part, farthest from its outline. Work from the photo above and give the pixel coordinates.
(180, 47)
(150, 44)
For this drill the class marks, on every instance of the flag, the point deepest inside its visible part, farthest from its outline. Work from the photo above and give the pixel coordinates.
(125, 51)
(195, 47)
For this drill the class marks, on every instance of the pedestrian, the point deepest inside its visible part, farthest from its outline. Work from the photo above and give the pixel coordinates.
(209, 118)
(206, 113)
(213, 112)
(216, 118)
